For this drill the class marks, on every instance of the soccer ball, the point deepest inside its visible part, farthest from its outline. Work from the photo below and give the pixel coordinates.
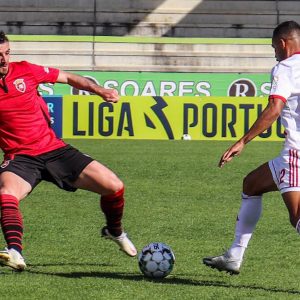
(186, 137)
(156, 260)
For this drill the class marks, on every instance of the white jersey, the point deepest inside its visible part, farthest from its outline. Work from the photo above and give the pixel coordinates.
(286, 86)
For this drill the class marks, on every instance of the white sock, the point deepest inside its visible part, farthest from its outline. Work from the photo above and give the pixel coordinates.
(298, 226)
(247, 219)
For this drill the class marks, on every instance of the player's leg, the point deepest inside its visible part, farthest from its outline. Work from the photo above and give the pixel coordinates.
(17, 179)
(12, 189)
(292, 202)
(286, 169)
(255, 184)
(70, 169)
(97, 178)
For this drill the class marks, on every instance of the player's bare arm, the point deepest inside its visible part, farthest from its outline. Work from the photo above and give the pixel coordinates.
(264, 121)
(82, 83)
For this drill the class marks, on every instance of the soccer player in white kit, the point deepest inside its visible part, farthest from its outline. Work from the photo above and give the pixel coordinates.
(281, 173)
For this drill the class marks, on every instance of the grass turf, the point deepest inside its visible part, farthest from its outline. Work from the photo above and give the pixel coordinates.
(175, 194)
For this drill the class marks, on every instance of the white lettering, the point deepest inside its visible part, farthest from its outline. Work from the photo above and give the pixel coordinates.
(46, 89)
(110, 84)
(81, 92)
(133, 85)
(265, 88)
(50, 107)
(200, 87)
(167, 88)
(241, 89)
(149, 89)
(182, 88)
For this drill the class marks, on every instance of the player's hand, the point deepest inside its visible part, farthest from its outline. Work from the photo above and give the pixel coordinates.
(230, 153)
(109, 95)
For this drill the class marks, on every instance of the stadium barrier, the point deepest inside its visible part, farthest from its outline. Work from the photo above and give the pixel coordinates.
(160, 118)
(151, 54)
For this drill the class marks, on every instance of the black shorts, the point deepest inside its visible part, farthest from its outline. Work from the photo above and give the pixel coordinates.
(61, 167)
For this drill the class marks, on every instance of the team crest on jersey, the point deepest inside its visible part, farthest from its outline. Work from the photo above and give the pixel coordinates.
(5, 163)
(20, 85)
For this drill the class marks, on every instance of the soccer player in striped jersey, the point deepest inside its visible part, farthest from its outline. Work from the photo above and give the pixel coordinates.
(281, 173)
(33, 153)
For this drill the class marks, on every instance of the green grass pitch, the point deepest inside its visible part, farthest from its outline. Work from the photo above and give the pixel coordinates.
(175, 194)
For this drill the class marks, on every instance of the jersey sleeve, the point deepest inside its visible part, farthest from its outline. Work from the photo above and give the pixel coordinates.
(43, 74)
(282, 85)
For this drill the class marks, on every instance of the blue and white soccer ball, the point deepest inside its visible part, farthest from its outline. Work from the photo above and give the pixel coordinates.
(156, 260)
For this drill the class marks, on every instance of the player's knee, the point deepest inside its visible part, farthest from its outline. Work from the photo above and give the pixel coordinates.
(249, 186)
(8, 191)
(116, 184)
(119, 185)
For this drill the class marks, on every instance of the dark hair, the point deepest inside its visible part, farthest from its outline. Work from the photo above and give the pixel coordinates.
(3, 37)
(285, 29)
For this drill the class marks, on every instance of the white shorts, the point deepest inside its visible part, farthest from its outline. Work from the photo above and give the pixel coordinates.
(285, 170)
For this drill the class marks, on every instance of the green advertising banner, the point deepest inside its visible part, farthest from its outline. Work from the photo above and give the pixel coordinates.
(171, 84)
(164, 118)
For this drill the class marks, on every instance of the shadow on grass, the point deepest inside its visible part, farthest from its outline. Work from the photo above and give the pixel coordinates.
(32, 266)
(169, 280)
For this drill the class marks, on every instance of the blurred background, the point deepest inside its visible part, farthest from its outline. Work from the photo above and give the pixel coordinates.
(156, 35)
